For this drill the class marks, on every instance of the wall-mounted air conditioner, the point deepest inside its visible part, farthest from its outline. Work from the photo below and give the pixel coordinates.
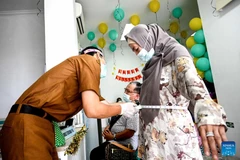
(79, 18)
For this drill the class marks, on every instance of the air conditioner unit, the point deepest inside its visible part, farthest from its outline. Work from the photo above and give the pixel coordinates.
(79, 18)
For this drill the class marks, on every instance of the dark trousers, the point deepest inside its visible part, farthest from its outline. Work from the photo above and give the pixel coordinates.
(98, 153)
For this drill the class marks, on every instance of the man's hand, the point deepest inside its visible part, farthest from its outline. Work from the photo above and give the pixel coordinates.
(107, 134)
(129, 109)
(106, 128)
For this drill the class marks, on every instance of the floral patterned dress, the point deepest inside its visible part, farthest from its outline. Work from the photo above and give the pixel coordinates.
(172, 135)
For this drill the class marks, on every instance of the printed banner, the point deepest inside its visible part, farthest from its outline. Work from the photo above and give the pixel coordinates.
(128, 71)
(128, 79)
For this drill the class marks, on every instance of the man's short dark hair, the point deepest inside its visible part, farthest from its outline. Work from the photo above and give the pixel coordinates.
(138, 86)
(90, 53)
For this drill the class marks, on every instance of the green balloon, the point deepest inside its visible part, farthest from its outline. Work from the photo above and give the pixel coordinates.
(208, 76)
(177, 12)
(113, 34)
(198, 50)
(199, 36)
(179, 40)
(118, 14)
(112, 47)
(94, 45)
(206, 55)
(91, 36)
(203, 64)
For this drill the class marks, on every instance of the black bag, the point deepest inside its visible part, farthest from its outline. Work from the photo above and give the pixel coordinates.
(116, 151)
(114, 119)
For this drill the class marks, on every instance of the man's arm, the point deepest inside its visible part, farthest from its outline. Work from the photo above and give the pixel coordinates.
(94, 108)
(125, 134)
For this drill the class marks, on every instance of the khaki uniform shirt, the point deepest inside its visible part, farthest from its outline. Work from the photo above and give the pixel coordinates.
(58, 91)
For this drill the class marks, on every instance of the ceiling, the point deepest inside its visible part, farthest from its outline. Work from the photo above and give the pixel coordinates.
(98, 11)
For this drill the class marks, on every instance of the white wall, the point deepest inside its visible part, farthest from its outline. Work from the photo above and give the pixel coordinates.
(222, 34)
(60, 31)
(21, 54)
(111, 88)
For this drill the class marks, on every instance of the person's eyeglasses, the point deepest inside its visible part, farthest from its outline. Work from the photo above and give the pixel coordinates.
(128, 91)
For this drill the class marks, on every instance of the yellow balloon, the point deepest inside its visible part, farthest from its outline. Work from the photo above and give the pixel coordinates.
(200, 73)
(103, 28)
(195, 24)
(135, 20)
(101, 42)
(195, 60)
(183, 34)
(174, 27)
(190, 42)
(154, 5)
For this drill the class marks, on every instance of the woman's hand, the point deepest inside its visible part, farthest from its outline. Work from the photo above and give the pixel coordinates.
(212, 137)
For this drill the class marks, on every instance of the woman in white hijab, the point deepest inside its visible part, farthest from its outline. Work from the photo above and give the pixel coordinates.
(170, 85)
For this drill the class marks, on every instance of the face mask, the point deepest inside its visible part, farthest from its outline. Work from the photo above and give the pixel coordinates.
(145, 55)
(126, 97)
(103, 73)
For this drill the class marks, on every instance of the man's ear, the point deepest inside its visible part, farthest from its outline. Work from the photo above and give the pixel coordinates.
(98, 56)
(137, 97)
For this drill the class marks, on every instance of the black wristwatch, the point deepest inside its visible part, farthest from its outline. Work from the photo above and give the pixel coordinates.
(114, 137)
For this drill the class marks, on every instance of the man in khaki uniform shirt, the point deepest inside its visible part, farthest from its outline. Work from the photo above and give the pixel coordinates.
(57, 95)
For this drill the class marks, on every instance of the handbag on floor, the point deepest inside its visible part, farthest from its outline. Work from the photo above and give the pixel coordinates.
(117, 151)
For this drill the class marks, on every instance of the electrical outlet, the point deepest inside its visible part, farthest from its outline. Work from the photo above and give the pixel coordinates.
(230, 124)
